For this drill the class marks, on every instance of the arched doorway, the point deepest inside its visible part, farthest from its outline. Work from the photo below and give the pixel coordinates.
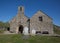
(8, 28)
(20, 29)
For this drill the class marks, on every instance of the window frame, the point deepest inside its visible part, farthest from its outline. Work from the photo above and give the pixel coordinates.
(40, 18)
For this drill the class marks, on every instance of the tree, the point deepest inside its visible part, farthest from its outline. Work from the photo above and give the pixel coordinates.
(4, 25)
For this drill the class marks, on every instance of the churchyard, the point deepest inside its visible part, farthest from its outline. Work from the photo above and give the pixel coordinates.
(18, 38)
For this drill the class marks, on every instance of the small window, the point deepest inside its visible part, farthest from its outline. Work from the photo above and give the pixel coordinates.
(45, 32)
(40, 18)
(38, 32)
(20, 8)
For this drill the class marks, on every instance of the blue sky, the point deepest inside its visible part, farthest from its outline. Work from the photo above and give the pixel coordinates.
(9, 8)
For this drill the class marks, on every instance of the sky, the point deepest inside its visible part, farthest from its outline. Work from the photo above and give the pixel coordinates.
(9, 9)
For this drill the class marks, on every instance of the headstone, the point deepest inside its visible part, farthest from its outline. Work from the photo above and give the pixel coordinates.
(33, 32)
(25, 31)
(25, 37)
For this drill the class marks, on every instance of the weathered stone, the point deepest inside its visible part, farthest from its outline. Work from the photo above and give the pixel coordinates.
(39, 22)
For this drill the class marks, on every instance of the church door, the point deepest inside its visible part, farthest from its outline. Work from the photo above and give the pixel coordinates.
(20, 29)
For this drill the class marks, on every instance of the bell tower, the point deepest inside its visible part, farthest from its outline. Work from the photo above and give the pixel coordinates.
(20, 14)
(20, 10)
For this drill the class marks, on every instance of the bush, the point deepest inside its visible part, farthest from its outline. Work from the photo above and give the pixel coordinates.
(1, 31)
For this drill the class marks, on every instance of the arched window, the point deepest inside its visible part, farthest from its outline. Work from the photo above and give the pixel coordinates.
(45, 32)
(8, 28)
(38, 32)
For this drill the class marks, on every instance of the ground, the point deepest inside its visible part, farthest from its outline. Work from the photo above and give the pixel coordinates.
(16, 38)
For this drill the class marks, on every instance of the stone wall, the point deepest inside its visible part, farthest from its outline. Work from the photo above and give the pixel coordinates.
(19, 19)
(44, 25)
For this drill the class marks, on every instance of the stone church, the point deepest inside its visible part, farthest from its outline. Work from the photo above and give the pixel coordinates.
(40, 22)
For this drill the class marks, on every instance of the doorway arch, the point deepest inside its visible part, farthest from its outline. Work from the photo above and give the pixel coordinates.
(20, 29)
(8, 28)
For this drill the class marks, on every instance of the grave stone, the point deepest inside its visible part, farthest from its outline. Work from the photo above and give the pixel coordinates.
(25, 31)
(33, 32)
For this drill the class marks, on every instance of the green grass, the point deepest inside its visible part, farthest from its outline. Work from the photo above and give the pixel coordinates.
(33, 39)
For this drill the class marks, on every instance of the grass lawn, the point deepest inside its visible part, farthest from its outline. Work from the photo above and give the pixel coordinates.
(16, 38)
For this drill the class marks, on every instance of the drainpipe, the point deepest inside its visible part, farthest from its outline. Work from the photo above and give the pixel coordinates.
(29, 25)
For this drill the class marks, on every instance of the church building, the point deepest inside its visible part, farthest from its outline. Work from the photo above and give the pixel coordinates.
(40, 22)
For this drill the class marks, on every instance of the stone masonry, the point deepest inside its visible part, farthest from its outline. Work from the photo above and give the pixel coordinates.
(40, 22)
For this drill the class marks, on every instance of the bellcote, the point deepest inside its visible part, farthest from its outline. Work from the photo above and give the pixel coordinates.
(20, 9)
